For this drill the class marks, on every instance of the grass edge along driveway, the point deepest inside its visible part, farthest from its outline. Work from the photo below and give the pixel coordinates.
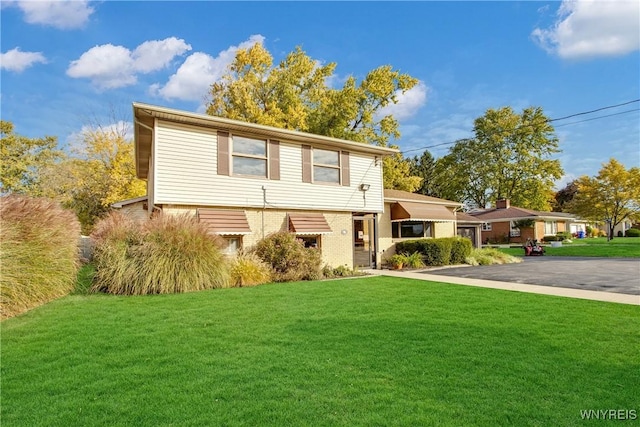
(366, 351)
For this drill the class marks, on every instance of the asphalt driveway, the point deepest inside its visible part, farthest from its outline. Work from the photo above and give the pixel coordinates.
(619, 275)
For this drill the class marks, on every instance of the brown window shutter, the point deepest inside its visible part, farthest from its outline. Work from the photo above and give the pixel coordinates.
(344, 167)
(274, 159)
(223, 153)
(306, 163)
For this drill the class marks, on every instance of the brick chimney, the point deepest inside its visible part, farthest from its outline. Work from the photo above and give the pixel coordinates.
(502, 204)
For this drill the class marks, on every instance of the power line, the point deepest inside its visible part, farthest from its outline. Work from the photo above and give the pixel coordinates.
(594, 111)
(599, 117)
(548, 121)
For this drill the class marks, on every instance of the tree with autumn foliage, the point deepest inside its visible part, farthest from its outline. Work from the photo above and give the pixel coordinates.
(294, 95)
(611, 196)
(509, 158)
(22, 159)
(99, 172)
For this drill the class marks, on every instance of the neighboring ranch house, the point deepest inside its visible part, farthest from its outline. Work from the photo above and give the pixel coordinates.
(499, 223)
(410, 216)
(246, 181)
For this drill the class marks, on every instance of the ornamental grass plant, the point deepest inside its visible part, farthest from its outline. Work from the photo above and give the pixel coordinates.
(247, 269)
(38, 252)
(168, 254)
(490, 256)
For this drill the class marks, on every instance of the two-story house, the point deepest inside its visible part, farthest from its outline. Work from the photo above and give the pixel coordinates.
(246, 181)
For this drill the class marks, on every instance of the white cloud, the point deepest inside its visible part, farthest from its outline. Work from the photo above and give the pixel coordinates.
(588, 28)
(408, 103)
(61, 14)
(15, 60)
(194, 77)
(109, 66)
(156, 54)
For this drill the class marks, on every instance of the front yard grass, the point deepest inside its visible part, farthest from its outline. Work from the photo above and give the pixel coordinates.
(365, 351)
(626, 247)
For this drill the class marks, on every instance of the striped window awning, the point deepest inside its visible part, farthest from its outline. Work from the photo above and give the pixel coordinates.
(410, 211)
(308, 224)
(225, 223)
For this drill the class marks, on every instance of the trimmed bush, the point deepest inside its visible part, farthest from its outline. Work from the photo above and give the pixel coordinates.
(168, 254)
(436, 251)
(247, 269)
(38, 253)
(552, 239)
(632, 232)
(410, 246)
(461, 248)
(441, 251)
(288, 258)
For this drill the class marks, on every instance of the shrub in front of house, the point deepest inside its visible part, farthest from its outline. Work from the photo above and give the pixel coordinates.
(440, 251)
(552, 239)
(247, 269)
(461, 248)
(288, 258)
(38, 252)
(632, 232)
(168, 254)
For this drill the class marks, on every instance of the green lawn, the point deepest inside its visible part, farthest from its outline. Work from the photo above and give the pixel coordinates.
(593, 247)
(366, 351)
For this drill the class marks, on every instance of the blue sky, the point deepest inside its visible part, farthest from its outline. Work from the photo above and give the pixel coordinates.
(69, 64)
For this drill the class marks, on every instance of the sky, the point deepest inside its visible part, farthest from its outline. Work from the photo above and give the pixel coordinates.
(66, 65)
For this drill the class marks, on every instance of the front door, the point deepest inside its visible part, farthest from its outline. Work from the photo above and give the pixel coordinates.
(363, 242)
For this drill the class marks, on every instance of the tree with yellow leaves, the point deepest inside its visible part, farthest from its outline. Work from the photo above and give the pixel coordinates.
(611, 196)
(294, 95)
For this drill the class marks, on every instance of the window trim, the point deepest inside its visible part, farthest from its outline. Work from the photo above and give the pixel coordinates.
(337, 167)
(486, 226)
(554, 228)
(396, 230)
(308, 166)
(227, 243)
(317, 237)
(513, 231)
(233, 154)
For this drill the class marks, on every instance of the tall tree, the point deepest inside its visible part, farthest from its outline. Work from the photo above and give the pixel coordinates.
(294, 95)
(509, 157)
(397, 174)
(611, 196)
(22, 159)
(424, 167)
(100, 173)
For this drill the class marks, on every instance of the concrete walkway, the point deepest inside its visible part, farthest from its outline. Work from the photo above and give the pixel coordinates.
(519, 287)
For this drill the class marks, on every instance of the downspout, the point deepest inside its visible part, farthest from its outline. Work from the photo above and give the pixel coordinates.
(264, 206)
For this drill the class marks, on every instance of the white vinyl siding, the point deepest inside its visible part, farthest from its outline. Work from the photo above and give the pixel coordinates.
(186, 173)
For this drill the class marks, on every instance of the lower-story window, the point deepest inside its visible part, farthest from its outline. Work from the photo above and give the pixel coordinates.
(310, 241)
(550, 227)
(410, 229)
(232, 244)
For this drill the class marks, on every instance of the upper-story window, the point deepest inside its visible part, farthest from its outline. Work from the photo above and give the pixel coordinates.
(326, 166)
(249, 156)
(323, 166)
